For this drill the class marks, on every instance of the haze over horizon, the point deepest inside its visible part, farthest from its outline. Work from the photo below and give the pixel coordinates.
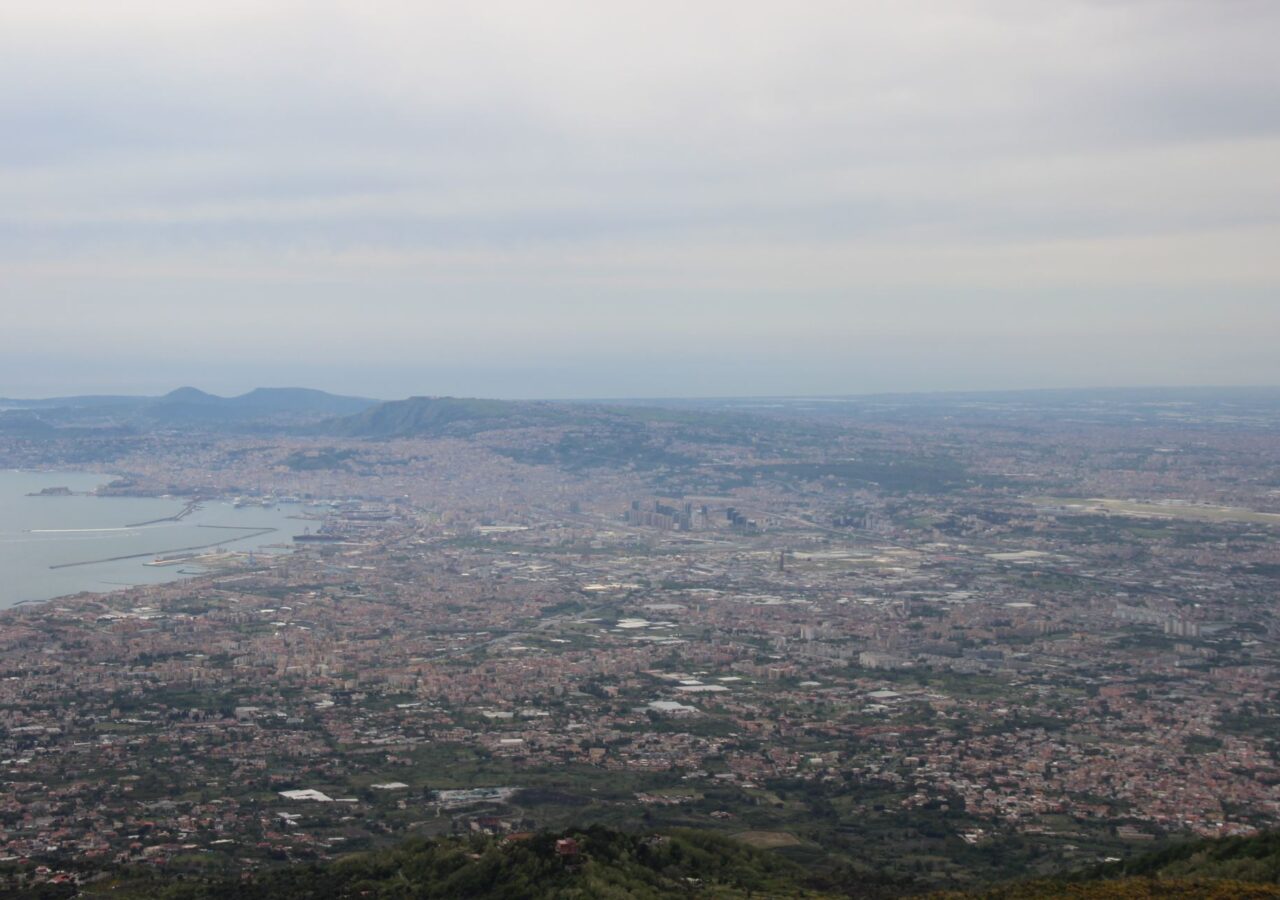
(1119, 389)
(638, 200)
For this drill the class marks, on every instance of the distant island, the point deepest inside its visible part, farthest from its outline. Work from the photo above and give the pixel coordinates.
(60, 491)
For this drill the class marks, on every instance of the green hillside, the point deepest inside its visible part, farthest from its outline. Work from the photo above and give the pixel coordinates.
(600, 862)
(1254, 858)
(1127, 889)
(1222, 868)
(596, 863)
(434, 416)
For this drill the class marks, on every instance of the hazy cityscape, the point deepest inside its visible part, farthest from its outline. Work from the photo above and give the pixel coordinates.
(942, 639)
(627, 450)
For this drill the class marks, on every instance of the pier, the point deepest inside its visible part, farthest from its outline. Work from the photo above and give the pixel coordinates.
(253, 532)
(176, 517)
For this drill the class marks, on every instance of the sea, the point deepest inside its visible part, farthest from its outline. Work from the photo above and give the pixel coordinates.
(55, 545)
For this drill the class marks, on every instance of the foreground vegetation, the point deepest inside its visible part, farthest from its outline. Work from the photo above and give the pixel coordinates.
(593, 863)
(1247, 867)
(600, 862)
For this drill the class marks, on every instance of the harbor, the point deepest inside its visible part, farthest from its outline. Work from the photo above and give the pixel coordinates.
(59, 537)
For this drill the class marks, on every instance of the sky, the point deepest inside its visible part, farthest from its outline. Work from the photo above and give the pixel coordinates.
(612, 199)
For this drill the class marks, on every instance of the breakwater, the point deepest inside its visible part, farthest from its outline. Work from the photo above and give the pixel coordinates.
(249, 533)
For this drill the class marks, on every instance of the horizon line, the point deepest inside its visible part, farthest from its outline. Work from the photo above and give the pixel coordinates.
(823, 396)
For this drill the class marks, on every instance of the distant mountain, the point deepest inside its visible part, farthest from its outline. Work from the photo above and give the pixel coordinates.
(435, 416)
(302, 399)
(184, 408)
(188, 405)
(193, 395)
(189, 408)
(24, 423)
(29, 425)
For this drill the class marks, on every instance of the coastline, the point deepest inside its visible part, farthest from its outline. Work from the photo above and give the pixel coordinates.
(95, 543)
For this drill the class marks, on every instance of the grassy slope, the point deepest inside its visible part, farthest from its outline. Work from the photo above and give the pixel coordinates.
(609, 864)
(686, 863)
(1225, 868)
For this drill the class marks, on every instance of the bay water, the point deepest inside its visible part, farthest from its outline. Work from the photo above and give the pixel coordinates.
(54, 545)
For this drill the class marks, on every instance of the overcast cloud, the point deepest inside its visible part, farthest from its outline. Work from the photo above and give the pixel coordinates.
(657, 198)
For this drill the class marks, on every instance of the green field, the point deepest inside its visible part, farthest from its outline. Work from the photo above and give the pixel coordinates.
(1161, 511)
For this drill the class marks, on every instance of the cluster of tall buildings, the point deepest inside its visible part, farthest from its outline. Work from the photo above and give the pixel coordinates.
(683, 517)
(663, 515)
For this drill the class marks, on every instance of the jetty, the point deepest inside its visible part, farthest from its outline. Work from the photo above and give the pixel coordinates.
(252, 533)
(176, 517)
